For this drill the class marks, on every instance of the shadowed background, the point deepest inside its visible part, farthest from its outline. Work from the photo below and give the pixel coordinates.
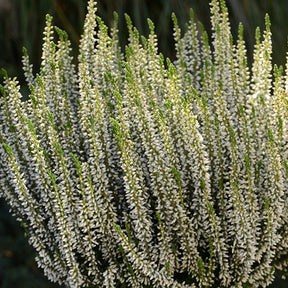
(22, 24)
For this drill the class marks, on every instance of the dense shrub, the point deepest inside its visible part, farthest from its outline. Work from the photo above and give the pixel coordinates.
(132, 171)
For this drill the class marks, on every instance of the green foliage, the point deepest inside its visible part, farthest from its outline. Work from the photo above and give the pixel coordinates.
(132, 171)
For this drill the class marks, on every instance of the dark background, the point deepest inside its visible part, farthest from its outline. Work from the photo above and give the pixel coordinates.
(22, 23)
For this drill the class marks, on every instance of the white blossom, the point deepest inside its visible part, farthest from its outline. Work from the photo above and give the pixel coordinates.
(132, 170)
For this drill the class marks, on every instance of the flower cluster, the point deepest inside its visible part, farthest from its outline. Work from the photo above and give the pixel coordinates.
(132, 170)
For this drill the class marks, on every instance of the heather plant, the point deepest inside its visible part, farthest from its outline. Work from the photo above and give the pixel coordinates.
(133, 171)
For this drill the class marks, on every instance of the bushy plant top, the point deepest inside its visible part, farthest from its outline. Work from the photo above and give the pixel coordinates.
(132, 171)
